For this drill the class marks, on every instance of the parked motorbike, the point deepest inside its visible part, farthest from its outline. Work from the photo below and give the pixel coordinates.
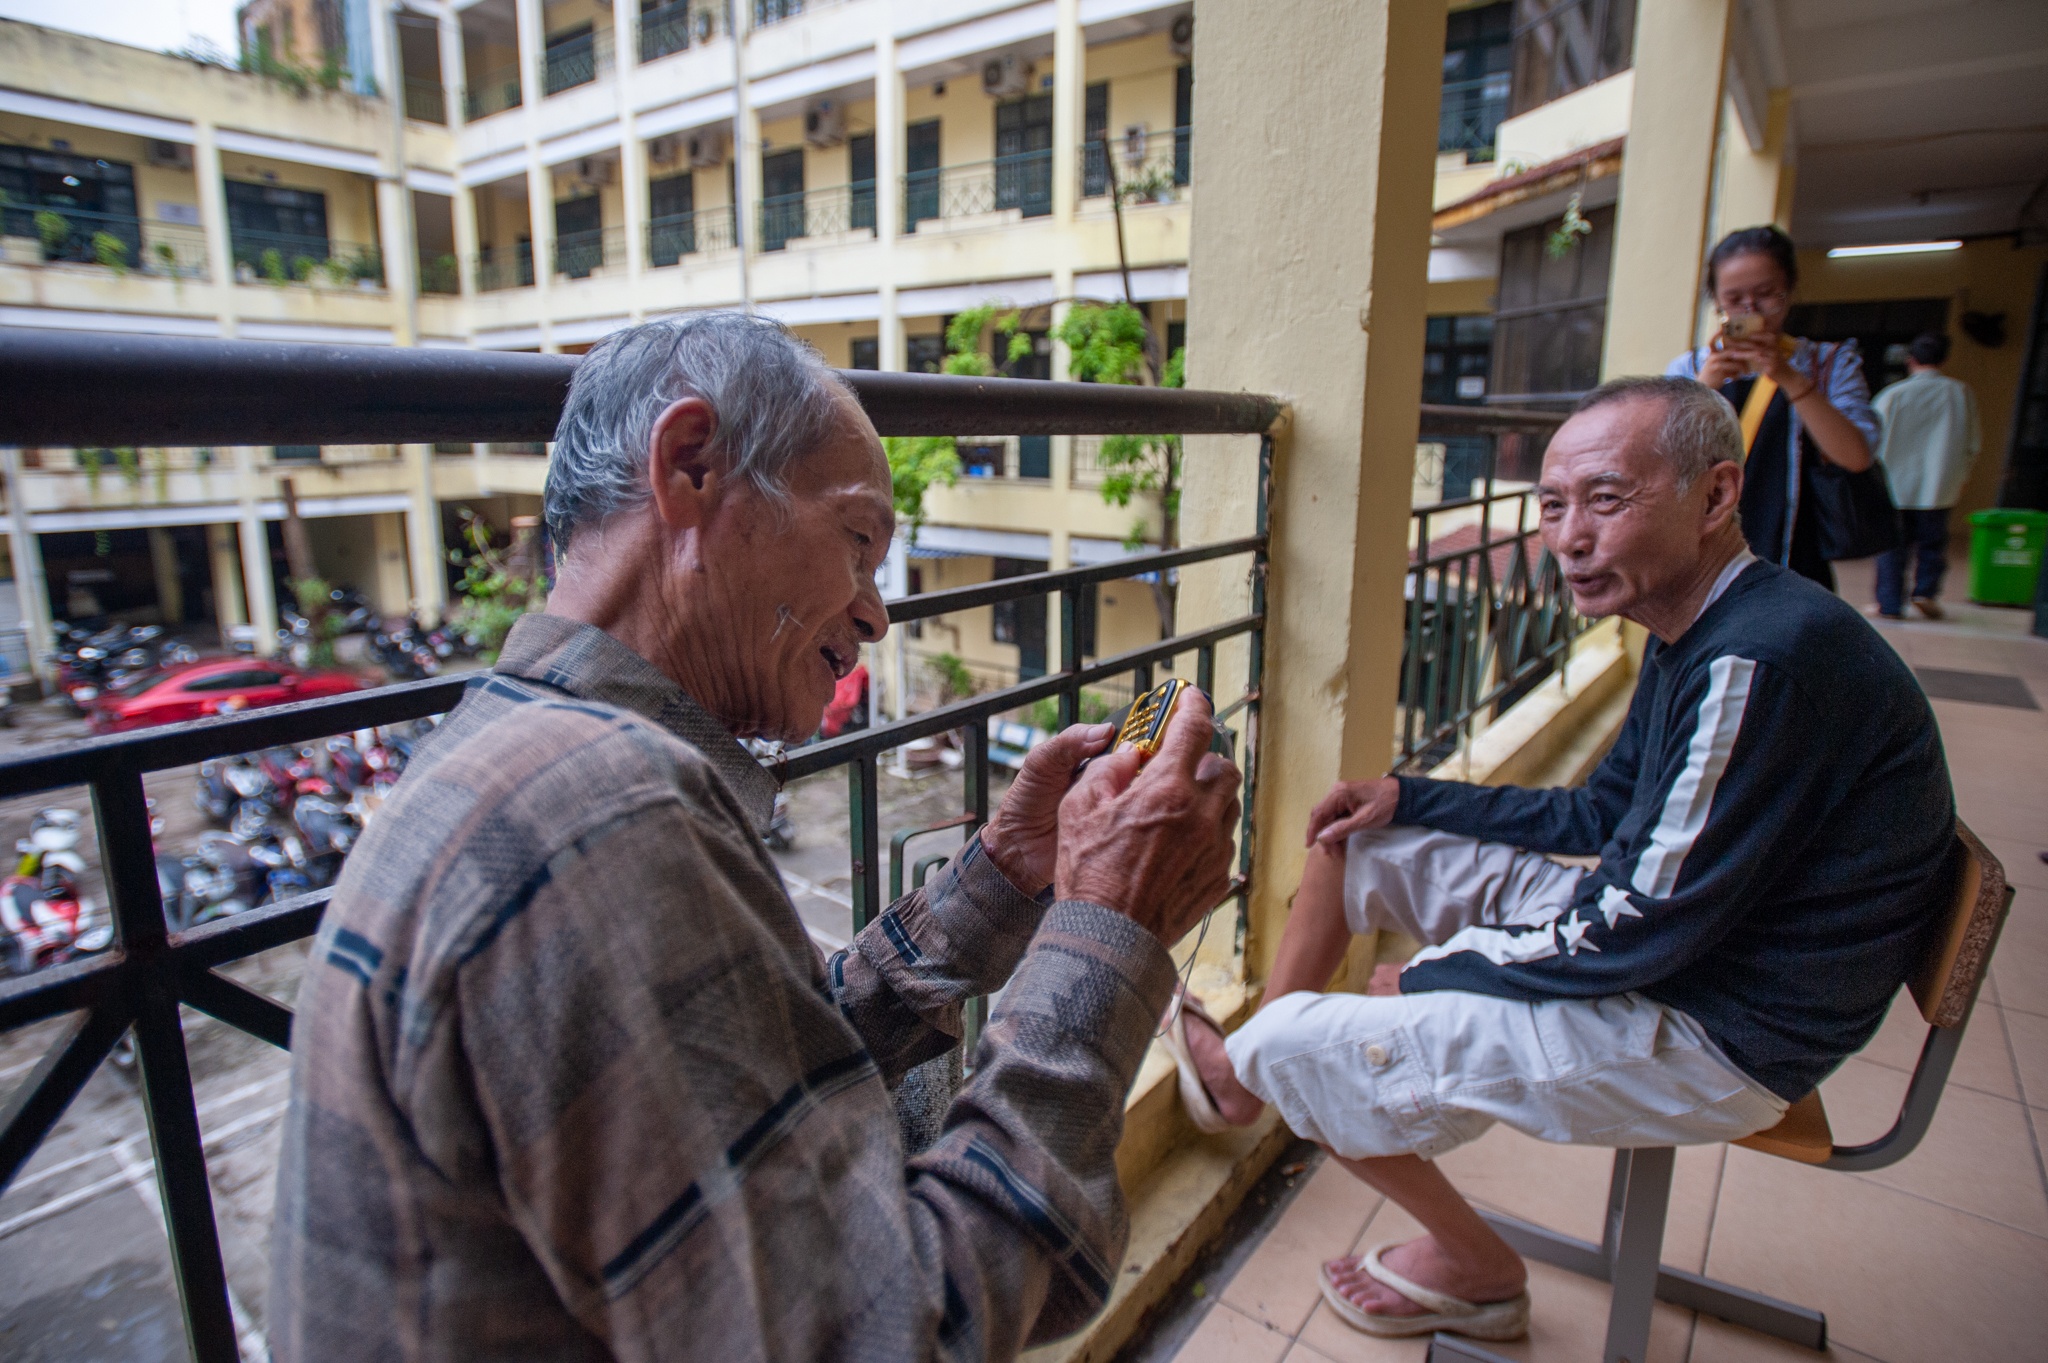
(46, 919)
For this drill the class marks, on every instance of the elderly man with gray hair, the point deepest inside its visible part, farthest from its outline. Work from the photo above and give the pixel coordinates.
(1772, 827)
(570, 1079)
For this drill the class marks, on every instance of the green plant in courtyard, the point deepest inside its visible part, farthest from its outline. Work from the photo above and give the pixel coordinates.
(272, 265)
(92, 460)
(130, 463)
(955, 681)
(54, 229)
(1094, 709)
(110, 251)
(498, 585)
(315, 599)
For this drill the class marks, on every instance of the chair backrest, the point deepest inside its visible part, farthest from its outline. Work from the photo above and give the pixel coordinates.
(1949, 975)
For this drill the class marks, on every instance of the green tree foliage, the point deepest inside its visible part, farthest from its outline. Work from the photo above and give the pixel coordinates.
(1108, 345)
(916, 463)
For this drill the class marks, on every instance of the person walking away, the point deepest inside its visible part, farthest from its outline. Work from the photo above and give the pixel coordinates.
(1931, 438)
(1816, 408)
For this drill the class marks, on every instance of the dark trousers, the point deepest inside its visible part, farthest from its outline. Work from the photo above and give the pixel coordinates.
(1926, 536)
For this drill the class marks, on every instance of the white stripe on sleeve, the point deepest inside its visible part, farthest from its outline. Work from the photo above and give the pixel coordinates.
(1692, 794)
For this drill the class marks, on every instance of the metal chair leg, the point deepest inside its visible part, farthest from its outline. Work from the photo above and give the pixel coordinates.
(1738, 1306)
(1635, 1245)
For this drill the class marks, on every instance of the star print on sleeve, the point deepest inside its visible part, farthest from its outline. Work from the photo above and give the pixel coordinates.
(1571, 933)
(1614, 906)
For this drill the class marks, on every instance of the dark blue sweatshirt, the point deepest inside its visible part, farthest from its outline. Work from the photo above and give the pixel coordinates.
(1774, 827)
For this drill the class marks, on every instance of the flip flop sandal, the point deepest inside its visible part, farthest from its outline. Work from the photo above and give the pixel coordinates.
(1194, 1096)
(1496, 1320)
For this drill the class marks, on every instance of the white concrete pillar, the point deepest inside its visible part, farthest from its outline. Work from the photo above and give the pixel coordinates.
(423, 537)
(1332, 322)
(401, 257)
(889, 349)
(31, 586)
(1069, 84)
(1660, 225)
(255, 536)
(454, 78)
(464, 205)
(213, 221)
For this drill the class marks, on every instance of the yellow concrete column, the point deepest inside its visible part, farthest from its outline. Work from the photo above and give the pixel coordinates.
(31, 587)
(163, 563)
(230, 607)
(1755, 183)
(390, 583)
(213, 221)
(423, 537)
(1069, 79)
(1333, 323)
(1660, 227)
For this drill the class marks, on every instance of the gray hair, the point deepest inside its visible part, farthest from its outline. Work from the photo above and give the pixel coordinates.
(1699, 429)
(771, 394)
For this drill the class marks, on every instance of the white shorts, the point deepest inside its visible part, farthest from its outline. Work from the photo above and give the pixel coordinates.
(1424, 1073)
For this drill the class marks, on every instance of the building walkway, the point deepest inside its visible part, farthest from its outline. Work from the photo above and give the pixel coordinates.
(1943, 1256)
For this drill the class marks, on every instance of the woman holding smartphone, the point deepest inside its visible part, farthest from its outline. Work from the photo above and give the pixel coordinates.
(1817, 407)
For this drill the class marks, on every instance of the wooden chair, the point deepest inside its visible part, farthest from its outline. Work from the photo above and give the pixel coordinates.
(1945, 988)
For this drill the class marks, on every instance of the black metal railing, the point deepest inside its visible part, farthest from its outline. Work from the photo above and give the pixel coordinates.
(491, 92)
(1471, 113)
(664, 30)
(1150, 167)
(440, 274)
(578, 255)
(576, 61)
(1022, 182)
(815, 213)
(288, 258)
(1489, 616)
(425, 100)
(75, 389)
(120, 242)
(504, 267)
(671, 238)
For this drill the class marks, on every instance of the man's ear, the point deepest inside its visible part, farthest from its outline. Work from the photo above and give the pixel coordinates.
(1724, 495)
(685, 474)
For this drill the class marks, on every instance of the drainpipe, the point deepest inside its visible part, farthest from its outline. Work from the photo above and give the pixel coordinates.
(745, 171)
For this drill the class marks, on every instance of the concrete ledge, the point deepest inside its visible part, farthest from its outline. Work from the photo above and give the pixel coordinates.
(1174, 1213)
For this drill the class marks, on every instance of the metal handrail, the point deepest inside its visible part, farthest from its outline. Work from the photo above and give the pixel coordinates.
(84, 388)
(158, 390)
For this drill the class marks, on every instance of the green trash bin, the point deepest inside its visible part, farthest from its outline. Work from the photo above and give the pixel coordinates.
(2005, 555)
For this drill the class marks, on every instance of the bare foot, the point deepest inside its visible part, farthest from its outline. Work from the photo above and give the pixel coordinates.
(1235, 1103)
(1422, 1261)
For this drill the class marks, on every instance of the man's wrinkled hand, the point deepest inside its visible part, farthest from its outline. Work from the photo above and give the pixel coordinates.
(1350, 807)
(1022, 838)
(1155, 843)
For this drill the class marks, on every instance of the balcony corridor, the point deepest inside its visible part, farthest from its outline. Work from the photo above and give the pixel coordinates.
(1940, 1257)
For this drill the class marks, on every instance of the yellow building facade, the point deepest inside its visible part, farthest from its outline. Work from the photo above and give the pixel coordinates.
(533, 174)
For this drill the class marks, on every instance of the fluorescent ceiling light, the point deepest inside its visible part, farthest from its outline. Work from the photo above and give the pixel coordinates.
(1897, 248)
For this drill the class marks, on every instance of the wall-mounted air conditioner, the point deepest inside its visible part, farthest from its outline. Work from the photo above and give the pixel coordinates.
(1005, 76)
(825, 123)
(596, 171)
(664, 150)
(170, 155)
(707, 148)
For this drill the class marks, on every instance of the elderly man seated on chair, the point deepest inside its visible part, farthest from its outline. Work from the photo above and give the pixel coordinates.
(1773, 827)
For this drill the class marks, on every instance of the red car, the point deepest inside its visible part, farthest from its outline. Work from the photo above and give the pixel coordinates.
(219, 686)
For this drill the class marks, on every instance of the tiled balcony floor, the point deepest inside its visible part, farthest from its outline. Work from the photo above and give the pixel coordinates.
(1941, 1257)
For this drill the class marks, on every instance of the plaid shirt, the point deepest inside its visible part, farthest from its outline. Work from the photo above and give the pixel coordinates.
(571, 1081)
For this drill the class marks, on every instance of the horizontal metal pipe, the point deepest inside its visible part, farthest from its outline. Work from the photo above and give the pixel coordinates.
(85, 389)
(925, 605)
(181, 745)
(976, 710)
(1444, 419)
